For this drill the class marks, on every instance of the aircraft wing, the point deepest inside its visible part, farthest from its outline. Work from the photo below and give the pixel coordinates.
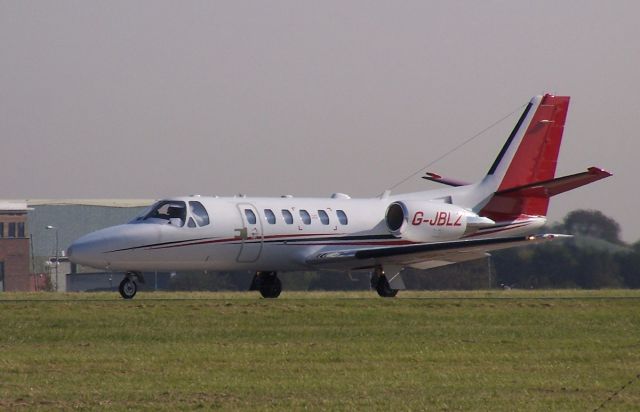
(423, 256)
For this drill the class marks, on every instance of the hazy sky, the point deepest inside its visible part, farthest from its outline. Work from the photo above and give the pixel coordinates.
(146, 99)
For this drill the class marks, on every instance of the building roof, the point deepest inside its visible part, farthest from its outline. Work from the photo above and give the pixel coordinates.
(82, 202)
(13, 206)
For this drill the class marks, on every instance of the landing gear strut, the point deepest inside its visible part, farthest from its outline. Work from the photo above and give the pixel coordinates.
(128, 287)
(380, 283)
(267, 283)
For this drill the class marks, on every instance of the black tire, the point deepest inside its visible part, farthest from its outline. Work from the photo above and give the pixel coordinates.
(128, 288)
(375, 278)
(383, 288)
(270, 287)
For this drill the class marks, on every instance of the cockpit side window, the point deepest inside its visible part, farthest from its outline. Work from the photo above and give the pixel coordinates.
(173, 212)
(199, 213)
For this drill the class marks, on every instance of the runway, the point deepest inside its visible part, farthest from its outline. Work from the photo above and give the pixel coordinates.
(315, 296)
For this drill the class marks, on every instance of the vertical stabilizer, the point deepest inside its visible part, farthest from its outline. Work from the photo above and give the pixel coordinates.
(529, 155)
(531, 152)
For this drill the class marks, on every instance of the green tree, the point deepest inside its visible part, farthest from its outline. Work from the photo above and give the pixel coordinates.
(629, 267)
(592, 223)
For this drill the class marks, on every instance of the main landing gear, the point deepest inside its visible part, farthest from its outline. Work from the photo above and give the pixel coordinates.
(129, 286)
(380, 283)
(267, 283)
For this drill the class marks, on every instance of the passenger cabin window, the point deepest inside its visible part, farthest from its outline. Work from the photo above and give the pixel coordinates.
(251, 217)
(287, 216)
(324, 217)
(342, 217)
(199, 213)
(191, 223)
(270, 216)
(306, 218)
(172, 212)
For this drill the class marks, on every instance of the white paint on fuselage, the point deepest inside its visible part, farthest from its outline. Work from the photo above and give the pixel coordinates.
(146, 246)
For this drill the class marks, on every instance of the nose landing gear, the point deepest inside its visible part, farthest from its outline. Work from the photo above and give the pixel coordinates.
(128, 287)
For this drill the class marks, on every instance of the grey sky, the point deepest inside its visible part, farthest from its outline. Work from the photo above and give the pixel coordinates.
(146, 99)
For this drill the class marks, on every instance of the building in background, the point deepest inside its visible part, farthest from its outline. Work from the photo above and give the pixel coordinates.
(72, 218)
(14, 248)
(34, 235)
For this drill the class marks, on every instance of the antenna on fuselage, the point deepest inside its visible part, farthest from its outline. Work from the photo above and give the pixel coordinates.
(459, 146)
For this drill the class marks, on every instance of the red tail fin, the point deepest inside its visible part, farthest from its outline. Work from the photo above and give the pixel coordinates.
(537, 155)
(529, 156)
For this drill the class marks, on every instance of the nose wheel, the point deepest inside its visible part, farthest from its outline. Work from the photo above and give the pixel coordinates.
(128, 288)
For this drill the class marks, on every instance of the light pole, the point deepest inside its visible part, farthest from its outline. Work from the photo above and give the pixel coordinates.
(49, 227)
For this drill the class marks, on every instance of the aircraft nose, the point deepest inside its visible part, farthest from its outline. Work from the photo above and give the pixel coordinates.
(92, 249)
(89, 250)
(104, 248)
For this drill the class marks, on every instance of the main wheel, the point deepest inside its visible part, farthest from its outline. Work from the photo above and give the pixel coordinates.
(270, 287)
(128, 288)
(375, 278)
(384, 289)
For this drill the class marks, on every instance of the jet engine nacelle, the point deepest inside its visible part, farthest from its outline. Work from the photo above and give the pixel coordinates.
(424, 221)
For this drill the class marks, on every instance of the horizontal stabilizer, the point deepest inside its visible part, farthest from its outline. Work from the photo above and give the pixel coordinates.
(556, 186)
(444, 180)
(533, 198)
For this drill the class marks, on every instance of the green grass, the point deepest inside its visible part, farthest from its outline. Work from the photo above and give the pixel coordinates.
(425, 350)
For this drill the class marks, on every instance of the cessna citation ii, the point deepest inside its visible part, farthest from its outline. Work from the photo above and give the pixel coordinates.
(386, 234)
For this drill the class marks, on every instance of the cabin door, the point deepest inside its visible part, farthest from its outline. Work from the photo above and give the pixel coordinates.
(250, 233)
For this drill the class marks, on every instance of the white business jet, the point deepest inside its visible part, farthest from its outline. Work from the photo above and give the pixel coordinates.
(457, 223)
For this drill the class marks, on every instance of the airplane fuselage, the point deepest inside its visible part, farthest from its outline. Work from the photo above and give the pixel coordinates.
(269, 234)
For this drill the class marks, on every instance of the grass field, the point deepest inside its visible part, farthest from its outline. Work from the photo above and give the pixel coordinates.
(485, 351)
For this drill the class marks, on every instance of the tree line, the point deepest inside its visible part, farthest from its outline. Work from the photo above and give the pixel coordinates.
(594, 258)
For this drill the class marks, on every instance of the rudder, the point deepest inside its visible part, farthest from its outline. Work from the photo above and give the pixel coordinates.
(530, 155)
(534, 155)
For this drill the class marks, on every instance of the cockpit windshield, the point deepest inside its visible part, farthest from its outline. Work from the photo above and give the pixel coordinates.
(173, 212)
